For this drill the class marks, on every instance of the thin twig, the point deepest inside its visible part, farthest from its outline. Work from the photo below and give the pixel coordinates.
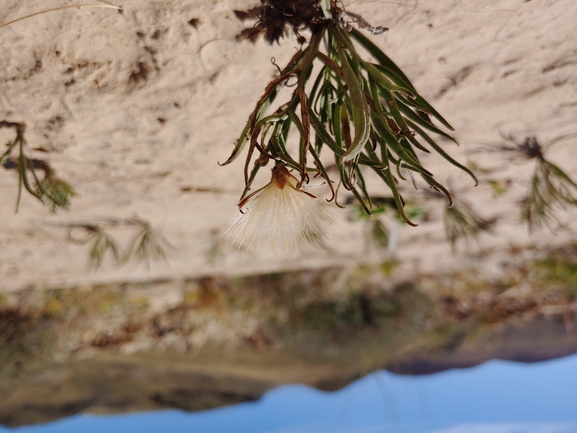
(92, 5)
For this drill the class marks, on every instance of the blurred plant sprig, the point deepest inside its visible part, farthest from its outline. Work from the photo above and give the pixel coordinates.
(377, 232)
(462, 222)
(550, 188)
(51, 190)
(146, 244)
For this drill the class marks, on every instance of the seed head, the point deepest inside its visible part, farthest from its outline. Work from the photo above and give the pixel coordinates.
(281, 215)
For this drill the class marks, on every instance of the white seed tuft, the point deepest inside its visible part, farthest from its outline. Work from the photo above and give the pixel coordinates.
(280, 216)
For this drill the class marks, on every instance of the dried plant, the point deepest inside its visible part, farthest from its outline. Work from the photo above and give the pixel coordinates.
(365, 113)
(550, 188)
(52, 191)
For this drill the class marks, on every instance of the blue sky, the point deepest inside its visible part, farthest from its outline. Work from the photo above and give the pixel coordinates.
(496, 397)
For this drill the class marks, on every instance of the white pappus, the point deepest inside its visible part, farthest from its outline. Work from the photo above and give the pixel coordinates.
(281, 216)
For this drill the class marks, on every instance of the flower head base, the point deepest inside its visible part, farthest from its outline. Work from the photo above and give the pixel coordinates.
(281, 215)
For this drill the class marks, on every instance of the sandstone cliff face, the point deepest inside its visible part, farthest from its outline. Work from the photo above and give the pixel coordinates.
(136, 109)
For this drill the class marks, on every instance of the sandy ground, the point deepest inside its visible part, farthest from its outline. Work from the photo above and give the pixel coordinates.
(136, 109)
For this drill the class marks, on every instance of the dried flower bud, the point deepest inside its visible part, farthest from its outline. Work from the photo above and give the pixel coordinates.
(281, 215)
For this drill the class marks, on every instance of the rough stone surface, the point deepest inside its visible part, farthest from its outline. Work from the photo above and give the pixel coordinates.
(136, 109)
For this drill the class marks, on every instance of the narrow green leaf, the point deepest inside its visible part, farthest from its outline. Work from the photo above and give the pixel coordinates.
(441, 152)
(362, 185)
(337, 124)
(394, 110)
(381, 57)
(391, 141)
(329, 141)
(253, 174)
(399, 162)
(245, 135)
(438, 186)
(277, 145)
(384, 81)
(397, 196)
(410, 114)
(360, 110)
(323, 172)
(419, 102)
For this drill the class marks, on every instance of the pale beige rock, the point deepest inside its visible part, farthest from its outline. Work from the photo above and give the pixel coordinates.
(488, 67)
